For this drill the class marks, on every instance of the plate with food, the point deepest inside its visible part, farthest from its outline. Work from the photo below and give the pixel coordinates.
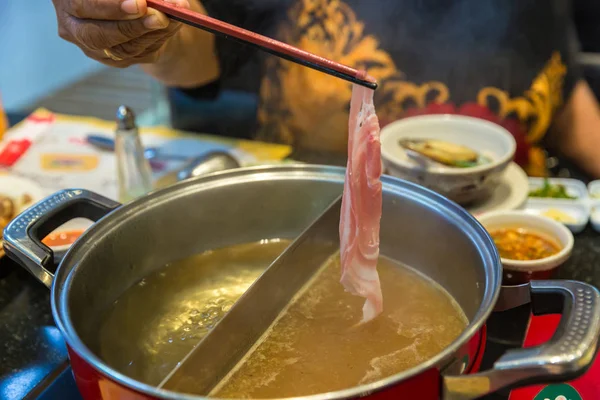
(574, 215)
(16, 194)
(557, 189)
(459, 157)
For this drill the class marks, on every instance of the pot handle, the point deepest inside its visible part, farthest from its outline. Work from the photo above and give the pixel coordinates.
(566, 356)
(22, 236)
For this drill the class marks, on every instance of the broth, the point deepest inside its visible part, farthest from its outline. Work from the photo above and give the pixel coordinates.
(156, 322)
(315, 346)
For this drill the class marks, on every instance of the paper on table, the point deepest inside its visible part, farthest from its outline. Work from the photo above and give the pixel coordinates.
(61, 158)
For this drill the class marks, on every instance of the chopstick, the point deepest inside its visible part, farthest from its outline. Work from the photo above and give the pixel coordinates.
(264, 43)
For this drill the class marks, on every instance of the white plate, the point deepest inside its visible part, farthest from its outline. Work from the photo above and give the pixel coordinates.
(511, 193)
(579, 211)
(15, 187)
(574, 187)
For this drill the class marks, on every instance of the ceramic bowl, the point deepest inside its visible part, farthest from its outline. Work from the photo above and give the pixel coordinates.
(463, 185)
(522, 271)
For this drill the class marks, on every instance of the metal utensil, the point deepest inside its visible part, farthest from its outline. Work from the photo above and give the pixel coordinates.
(205, 164)
(258, 308)
(152, 153)
(267, 44)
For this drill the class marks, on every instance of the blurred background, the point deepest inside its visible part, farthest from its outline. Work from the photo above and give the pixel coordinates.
(39, 69)
(55, 74)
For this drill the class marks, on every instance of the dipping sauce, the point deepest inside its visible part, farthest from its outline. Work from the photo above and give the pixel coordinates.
(314, 347)
(524, 245)
(62, 238)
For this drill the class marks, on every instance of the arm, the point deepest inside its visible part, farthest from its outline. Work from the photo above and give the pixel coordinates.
(121, 33)
(188, 59)
(577, 129)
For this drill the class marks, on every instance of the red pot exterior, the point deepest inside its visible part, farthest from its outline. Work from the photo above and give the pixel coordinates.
(511, 277)
(94, 385)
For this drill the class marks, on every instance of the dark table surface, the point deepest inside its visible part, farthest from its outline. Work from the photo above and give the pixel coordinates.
(33, 355)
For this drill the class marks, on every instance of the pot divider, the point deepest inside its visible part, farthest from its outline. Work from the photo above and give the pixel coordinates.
(223, 347)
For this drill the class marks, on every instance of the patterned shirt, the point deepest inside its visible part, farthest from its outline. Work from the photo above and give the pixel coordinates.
(508, 61)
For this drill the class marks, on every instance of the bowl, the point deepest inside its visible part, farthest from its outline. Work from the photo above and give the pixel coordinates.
(523, 271)
(462, 185)
(577, 213)
(61, 239)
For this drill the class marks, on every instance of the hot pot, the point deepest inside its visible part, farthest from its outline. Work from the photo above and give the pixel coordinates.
(418, 228)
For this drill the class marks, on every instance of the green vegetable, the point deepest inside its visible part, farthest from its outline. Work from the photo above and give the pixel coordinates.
(468, 164)
(549, 190)
(464, 164)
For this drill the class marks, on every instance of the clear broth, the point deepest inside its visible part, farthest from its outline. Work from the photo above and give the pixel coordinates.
(156, 322)
(315, 347)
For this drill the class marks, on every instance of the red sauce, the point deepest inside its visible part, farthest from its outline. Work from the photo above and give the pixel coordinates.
(522, 245)
(62, 238)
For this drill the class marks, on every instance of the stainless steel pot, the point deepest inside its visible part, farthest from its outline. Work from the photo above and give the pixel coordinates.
(418, 228)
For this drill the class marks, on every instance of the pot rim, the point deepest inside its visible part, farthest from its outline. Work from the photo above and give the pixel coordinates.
(59, 293)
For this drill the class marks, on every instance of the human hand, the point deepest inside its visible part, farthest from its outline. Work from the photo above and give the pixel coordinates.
(117, 33)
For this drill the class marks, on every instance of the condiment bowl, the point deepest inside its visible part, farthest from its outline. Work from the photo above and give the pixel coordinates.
(522, 271)
(462, 185)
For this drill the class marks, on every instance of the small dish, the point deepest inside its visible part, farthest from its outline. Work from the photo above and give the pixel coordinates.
(462, 185)
(522, 271)
(594, 191)
(573, 187)
(61, 239)
(574, 216)
(595, 218)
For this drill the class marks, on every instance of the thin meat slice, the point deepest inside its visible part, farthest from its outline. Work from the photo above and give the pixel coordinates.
(361, 204)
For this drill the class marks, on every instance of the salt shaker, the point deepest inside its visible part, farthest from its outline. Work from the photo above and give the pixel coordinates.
(133, 169)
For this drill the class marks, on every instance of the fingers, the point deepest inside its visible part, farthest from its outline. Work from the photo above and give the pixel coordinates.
(116, 32)
(141, 46)
(104, 9)
(99, 35)
(148, 55)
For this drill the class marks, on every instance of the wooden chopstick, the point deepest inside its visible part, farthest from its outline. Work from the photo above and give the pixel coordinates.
(267, 44)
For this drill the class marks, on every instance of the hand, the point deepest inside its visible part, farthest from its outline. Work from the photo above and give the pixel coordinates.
(117, 33)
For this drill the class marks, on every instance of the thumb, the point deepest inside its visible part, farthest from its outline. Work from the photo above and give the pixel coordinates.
(109, 10)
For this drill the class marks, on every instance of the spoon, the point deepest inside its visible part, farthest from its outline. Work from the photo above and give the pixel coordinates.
(205, 164)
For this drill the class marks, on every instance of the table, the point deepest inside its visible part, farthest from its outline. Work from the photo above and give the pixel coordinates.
(33, 356)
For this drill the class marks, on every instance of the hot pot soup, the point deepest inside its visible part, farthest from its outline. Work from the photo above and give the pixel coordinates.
(316, 346)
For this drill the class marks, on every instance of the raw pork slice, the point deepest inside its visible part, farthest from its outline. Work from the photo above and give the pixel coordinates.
(361, 204)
